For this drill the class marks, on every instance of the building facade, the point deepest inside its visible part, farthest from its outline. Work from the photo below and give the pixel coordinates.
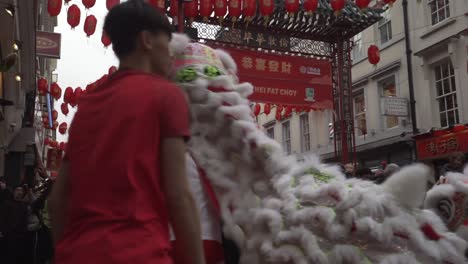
(382, 122)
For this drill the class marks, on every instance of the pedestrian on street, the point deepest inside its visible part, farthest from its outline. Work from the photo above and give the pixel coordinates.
(123, 179)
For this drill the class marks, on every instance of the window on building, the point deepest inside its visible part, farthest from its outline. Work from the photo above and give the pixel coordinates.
(385, 27)
(360, 114)
(440, 10)
(270, 131)
(357, 49)
(305, 135)
(446, 94)
(286, 137)
(388, 89)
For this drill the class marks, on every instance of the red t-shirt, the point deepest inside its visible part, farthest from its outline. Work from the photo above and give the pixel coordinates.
(117, 209)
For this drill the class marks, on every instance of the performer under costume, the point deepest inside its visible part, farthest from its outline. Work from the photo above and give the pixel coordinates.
(280, 210)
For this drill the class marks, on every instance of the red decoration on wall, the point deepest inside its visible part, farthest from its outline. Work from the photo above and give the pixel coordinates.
(235, 9)
(220, 9)
(42, 86)
(63, 128)
(373, 54)
(257, 109)
(105, 39)
(64, 108)
(88, 3)
(291, 6)
(310, 6)
(55, 91)
(54, 7)
(266, 9)
(362, 3)
(191, 10)
(68, 95)
(206, 8)
(174, 8)
(249, 9)
(267, 109)
(337, 5)
(73, 16)
(90, 25)
(111, 3)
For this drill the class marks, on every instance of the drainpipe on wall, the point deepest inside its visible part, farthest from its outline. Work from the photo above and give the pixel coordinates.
(409, 63)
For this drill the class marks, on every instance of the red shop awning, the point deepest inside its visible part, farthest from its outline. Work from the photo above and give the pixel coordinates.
(439, 143)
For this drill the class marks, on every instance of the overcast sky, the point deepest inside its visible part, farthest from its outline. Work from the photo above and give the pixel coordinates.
(83, 60)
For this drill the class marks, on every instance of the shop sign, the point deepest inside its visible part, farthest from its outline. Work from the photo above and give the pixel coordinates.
(282, 79)
(48, 44)
(255, 39)
(394, 106)
(438, 146)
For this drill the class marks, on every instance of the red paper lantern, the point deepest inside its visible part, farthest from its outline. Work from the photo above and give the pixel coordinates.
(278, 115)
(54, 7)
(279, 108)
(288, 111)
(257, 109)
(90, 25)
(310, 6)
(337, 5)
(64, 108)
(105, 39)
(54, 115)
(220, 9)
(63, 128)
(249, 10)
(191, 10)
(373, 54)
(206, 8)
(266, 9)
(174, 8)
(362, 3)
(235, 9)
(42, 86)
(67, 95)
(73, 16)
(112, 69)
(111, 3)
(292, 6)
(267, 109)
(77, 94)
(55, 91)
(88, 3)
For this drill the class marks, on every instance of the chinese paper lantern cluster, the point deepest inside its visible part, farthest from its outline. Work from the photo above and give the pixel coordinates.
(55, 91)
(54, 144)
(105, 39)
(42, 86)
(249, 10)
(310, 6)
(90, 25)
(206, 8)
(220, 9)
(73, 16)
(337, 5)
(67, 95)
(257, 109)
(267, 7)
(63, 128)
(54, 7)
(235, 10)
(373, 54)
(191, 10)
(292, 6)
(362, 4)
(111, 3)
(88, 3)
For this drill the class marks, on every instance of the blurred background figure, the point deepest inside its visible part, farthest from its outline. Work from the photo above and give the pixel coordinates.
(456, 163)
(389, 170)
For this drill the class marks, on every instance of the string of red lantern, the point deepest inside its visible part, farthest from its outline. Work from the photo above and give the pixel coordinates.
(257, 109)
(64, 108)
(220, 9)
(235, 10)
(362, 4)
(88, 3)
(73, 16)
(68, 95)
(63, 128)
(105, 39)
(206, 8)
(42, 86)
(267, 109)
(249, 10)
(310, 6)
(90, 25)
(337, 5)
(111, 3)
(266, 9)
(55, 91)
(54, 7)
(191, 10)
(373, 54)
(292, 6)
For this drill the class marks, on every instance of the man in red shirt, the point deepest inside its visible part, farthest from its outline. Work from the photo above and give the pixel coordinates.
(123, 179)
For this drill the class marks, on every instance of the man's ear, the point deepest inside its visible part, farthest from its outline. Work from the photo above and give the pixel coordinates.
(145, 40)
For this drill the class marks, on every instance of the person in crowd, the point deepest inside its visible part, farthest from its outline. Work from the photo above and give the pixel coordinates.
(390, 169)
(456, 163)
(350, 170)
(121, 181)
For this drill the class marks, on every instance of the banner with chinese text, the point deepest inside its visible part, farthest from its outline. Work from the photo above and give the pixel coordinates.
(285, 80)
(439, 146)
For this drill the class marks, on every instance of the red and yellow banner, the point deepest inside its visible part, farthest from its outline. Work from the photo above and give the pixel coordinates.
(439, 146)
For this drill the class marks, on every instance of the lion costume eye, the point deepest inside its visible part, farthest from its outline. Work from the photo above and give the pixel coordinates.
(188, 74)
(212, 71)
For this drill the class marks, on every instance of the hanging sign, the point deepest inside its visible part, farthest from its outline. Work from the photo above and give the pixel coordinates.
(48, 44)
(281, 79)
(439, 146)
(394, 106)
(255, 39)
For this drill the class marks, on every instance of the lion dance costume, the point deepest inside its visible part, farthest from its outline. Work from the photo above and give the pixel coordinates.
(280, 210)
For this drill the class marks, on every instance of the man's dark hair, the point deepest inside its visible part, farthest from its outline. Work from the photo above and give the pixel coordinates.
(126, 20)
